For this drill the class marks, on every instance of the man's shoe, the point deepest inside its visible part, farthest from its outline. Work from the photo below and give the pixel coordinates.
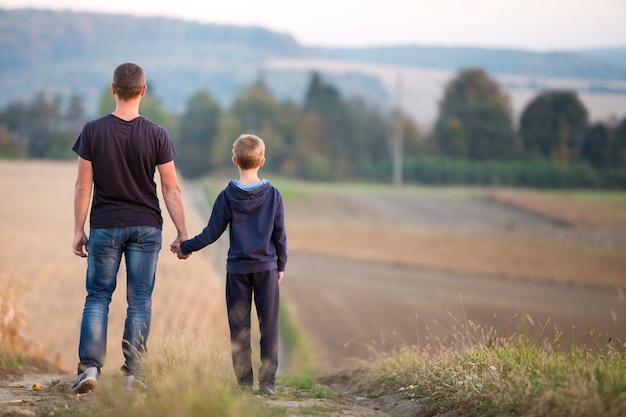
(86, 381)
(267, 388)
(131, 383)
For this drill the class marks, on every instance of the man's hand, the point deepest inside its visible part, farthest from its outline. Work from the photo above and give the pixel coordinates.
(175, 248)
(78, 245)
(281, 274)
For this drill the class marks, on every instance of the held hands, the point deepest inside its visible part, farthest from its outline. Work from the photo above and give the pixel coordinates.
(175, 248)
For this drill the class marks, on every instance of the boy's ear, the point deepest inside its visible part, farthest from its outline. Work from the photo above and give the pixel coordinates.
(234, 161)
(262, 163)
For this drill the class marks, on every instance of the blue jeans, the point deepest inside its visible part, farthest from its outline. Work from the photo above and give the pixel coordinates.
(140, 246)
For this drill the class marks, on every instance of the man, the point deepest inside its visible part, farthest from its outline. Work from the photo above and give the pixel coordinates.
(118, 155)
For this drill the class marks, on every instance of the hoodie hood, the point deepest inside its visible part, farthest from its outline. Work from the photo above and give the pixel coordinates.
(247, 201)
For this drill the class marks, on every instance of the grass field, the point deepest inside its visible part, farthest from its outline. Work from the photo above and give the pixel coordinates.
(188, 367)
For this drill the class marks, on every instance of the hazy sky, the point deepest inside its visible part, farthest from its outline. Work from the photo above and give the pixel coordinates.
(530, 24)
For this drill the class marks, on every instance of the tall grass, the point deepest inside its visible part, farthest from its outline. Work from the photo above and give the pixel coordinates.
(485, 372)
(185, 376)
(15, 350)
(189, 376)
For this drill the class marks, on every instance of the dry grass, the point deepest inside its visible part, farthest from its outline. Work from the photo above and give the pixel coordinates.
(36, 227)
(11, 320)
(480, 371)
(13, 347)
(18, 353)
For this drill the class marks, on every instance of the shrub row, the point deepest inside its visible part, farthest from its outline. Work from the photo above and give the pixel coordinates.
(534, 173)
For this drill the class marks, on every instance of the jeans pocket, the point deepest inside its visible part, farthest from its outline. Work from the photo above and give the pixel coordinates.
(149, 237)
(101, 241)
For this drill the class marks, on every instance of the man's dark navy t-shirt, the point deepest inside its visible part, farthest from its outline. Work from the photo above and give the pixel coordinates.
(124, 156)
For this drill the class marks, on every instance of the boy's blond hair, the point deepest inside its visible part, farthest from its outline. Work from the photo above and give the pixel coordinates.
(249, 151)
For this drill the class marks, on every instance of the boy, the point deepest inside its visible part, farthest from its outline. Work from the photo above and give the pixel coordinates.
(257, 255)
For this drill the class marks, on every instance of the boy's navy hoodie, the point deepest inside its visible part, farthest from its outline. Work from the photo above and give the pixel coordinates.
(258, 240)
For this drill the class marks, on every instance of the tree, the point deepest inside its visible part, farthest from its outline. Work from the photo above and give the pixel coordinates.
(475, 119)
(596, 146)
(13, 120)
(198, 131)
(553, 125)
(43, 118)
(65, 133)
(312, 150)
(288, 120)
(228, 131)
(324, 100)
(368, 153)
(619, 145)
(255, 108)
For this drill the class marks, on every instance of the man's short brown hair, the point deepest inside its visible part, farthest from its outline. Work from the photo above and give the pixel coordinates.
(249, 151)
(129, 80)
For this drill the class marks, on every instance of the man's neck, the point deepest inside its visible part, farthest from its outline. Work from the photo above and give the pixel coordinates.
(126, 110)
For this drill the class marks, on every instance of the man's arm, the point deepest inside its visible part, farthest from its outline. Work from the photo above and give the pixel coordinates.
(82, 198)
(173, 199)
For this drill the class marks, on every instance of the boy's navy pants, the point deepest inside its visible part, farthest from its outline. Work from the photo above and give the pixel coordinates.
(240, 289)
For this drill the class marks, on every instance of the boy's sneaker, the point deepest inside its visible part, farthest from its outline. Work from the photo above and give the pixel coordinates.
(86, 381)
(245, 388)
(267, 388)
(130, 383)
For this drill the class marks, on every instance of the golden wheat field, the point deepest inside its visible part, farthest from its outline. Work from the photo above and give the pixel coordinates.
(36, 230)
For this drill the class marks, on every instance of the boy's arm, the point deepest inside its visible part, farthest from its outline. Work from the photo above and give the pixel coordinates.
(220, 217)
(279, 236)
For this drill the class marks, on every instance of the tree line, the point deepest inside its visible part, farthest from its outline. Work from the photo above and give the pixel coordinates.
(329, 137)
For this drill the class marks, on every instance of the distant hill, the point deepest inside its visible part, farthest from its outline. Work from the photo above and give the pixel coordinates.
(588, 64)
(615, 56)
(59, 52)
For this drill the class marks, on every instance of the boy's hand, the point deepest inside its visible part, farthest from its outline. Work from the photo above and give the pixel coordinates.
(175, 248)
